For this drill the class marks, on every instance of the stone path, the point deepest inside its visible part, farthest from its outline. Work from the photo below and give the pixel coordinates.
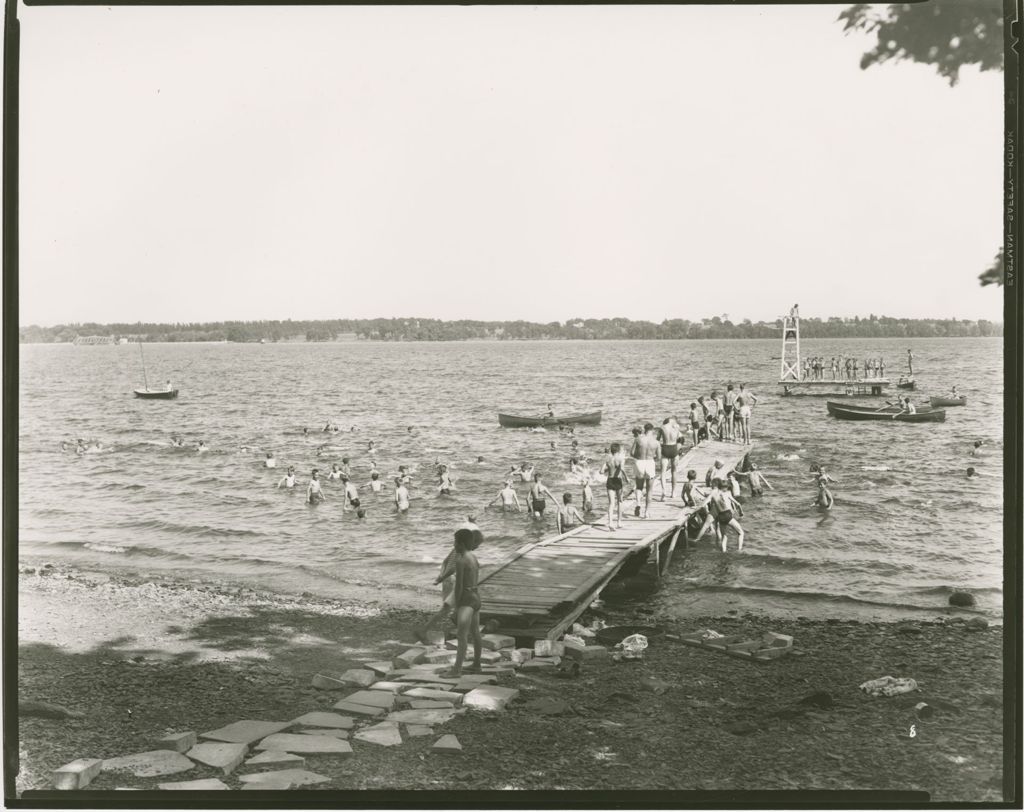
(384, 698)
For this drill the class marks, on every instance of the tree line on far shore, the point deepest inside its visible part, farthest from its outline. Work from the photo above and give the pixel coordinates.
(413, 329)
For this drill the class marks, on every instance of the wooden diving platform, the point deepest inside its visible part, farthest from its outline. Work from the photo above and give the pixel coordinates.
(541, 588)
(860, 387)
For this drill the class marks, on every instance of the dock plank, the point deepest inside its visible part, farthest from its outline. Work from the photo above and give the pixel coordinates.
(543, 586)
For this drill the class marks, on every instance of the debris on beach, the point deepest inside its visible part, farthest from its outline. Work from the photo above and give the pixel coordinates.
(889, 686)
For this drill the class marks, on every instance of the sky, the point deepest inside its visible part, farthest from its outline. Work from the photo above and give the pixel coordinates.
(649, 162)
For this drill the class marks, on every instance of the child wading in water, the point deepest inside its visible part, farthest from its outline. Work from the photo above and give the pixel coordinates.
(466, 598)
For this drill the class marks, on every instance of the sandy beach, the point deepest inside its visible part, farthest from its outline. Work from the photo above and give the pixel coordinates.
(140, 658)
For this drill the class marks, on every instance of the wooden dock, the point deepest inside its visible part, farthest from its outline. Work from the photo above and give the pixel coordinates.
(541, 588)
(861, 387)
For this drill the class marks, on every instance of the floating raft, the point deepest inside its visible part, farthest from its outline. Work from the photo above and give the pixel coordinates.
(541, 588)
(862, 387)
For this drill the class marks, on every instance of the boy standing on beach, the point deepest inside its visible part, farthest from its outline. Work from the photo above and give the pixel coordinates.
(446, 578)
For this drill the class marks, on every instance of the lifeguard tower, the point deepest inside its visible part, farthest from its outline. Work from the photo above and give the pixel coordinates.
(794, 382)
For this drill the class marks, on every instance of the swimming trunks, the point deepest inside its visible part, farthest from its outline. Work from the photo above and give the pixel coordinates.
(470, 597)
(538, 504)
(724, 517)
(613, 484)
(669, 451)
(445, 492)
(728, 408)
(694, 425)
(355, 502)
(644, 469)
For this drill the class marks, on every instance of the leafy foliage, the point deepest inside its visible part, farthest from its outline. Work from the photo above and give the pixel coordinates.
(414, 329)
(948, 34)
(995, 274)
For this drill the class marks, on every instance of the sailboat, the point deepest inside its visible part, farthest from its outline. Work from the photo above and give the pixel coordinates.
(153, 394)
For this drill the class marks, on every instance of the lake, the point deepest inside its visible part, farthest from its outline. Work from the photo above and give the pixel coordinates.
(906, 530)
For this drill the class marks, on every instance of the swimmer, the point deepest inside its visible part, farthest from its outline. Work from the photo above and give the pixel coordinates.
(977, 450)
(645, 451)
(201, 447)
(714, 472)
(535, 500)
(64, 448)
(403, 475)
(375, 484)
(971, 473)
(756, 480)
(479, 459)
(305, 430)
(824, 498)
(334, 473)
(694, 424)
(410, 429)
(361, 513)
(588, 494)
(270, 462)
(445, 483)
(552, 445)
(701, 516)
(509, 498)
(314, 493)
(671, 434)
(288, 480)
(401, 495)
(345, 468)
(722, 505)
(568, 516)
(370, 448)
(525, 474)
(351, 492)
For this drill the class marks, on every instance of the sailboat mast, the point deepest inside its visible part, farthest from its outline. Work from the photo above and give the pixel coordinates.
(143, 357)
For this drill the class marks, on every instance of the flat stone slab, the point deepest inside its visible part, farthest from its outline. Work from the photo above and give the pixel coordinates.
(150, 763)
(547, 648)
(298, 778)
(498, 641)
(224, 756)
(489, 697)
(375, 699)
(419, 730)
(178, 742)
(481, 679)
(304, 743)
(380, 667)
(521, 655)
(77, 774)
(270, 783)
(436, 716)
(360, 710)
(422, 675)
(359, 676)
(537, 664)
(329, 682)
(428, 693)
(201, 783)
(246, 731)
(408, 658)
(426, 704)
(447, 744)
(391, 687)
(277, 757)
(324, 719)
(385, 734)
(336, 732)
(441, 655)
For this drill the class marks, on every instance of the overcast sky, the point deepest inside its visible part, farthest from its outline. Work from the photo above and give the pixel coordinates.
(205, 164)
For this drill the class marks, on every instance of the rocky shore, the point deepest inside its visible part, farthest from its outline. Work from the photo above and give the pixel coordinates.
(132, 660)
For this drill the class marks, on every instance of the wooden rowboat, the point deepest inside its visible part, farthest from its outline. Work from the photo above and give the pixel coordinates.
(890, 413)
(511, 421)
(156, 394)
(961, 401)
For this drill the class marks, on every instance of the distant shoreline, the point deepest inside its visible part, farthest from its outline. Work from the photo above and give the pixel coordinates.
(418, 329)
